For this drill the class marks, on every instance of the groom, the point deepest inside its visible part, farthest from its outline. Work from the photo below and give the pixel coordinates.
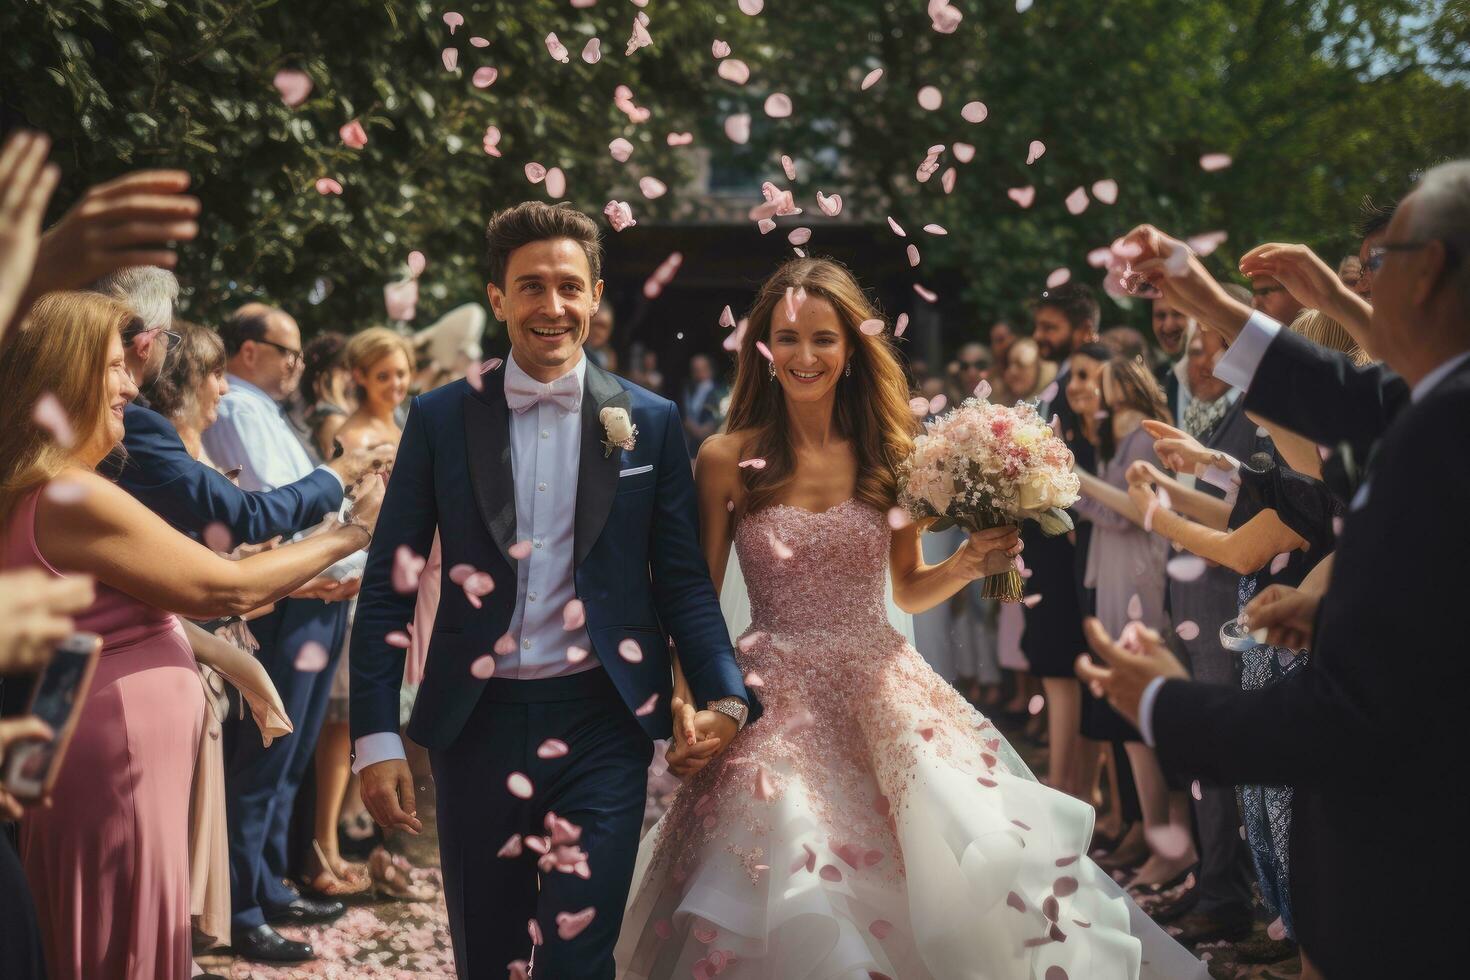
(570, 490)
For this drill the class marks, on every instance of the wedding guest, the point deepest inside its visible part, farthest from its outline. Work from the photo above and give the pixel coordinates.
(263, 346)
(1001, 336)
(1270, 297)
(973, 363)
(1292, 733)
(1026, 375)
(325, 393)
(700, 405)
(1065, 319)
(1127, 342)
(108, 861)
(1172, 330)
(1373, 222)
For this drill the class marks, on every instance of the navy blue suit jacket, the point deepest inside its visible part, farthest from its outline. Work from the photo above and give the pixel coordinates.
(639, 569)
(159, 471)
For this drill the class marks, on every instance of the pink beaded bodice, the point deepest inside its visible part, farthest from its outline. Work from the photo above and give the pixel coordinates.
(809, 570)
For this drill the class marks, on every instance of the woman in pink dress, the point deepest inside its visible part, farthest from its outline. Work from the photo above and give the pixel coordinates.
(108, 859)
(872, 824)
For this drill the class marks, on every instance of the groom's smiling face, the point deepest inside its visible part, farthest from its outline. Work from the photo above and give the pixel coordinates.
(546, 304)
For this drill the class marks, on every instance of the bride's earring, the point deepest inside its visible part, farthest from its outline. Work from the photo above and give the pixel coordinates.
(771, 367)
(847, 371)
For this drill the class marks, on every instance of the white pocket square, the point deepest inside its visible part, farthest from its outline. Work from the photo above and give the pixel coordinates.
(634, 471)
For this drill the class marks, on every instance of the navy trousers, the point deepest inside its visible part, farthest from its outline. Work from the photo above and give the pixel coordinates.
(599, 785)
(261, 783)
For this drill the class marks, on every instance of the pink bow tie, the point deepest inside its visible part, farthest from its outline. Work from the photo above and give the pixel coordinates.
(523, 393)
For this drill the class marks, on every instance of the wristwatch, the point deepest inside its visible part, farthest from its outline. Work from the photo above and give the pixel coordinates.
(732, 706)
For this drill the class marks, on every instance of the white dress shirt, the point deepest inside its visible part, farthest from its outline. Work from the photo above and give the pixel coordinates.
(1238, 367)
(546, 451)
(251, 434)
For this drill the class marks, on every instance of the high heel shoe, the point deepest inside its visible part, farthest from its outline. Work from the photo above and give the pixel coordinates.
(336, 882)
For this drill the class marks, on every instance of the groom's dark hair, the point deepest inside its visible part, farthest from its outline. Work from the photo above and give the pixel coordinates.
(535, 221)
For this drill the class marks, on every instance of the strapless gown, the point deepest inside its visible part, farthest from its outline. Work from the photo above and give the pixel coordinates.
(872, 824)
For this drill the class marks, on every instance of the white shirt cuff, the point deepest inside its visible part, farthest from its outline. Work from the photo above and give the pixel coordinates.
(335, 475)
(1237, 366)
(1145, 712)
(377, 747)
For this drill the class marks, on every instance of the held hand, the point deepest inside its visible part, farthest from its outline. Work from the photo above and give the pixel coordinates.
(387, 792)
(712, 732)
(1186, 284)
(988, 552)
(124, 222)
(1305, 276)
(35, 615)
(27, 728)
(1131, 665)
(1288, 616)
(26, 183)
(353, 466)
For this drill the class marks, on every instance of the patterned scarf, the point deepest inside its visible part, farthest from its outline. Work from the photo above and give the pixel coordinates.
(1201, 416)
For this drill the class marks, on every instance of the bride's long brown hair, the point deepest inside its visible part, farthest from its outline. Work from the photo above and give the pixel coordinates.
(871, 410)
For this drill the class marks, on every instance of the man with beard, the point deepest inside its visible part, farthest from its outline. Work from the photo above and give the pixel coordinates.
(1172, 329)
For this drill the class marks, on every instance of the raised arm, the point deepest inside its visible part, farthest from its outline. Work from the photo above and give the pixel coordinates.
(1245, 549)
(110, 535)
(918, 587)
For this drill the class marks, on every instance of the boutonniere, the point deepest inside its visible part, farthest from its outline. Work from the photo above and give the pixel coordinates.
(621, 432)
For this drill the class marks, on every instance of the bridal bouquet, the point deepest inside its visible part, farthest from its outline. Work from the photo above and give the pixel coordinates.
(980, 466)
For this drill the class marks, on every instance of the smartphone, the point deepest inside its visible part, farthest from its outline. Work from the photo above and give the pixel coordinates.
(32, 767)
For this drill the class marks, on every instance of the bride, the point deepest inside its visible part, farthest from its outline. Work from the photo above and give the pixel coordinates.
(872, 824)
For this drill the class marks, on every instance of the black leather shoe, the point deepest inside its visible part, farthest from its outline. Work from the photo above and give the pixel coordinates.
(305, 911)
(266, 945)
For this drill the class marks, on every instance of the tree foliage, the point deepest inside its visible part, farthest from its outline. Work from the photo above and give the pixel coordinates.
(1319, 102)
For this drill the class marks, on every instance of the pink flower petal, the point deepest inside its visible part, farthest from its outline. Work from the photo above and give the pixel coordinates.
(1031, 600)
(399, 639)
(751, 7)
(535, 172)
(737, 127)
(556, 49)
(491, 140)
(788, 166)
(982, 392)
(519, 785)
(1105, 191)
(679, 139)
(646, 708)
(573, 615)
(1022, 195)
(1204, 244)
(897, 228)
(49, 415)
(766, 226)
(326, 185)
(1214, 161)
(871, 78)
(450, 57)
(619, 215)
(592, 51)
(506, 645)
(453, 20)
(552, 748)
(913, 253)
(407, 567)
(947, 179)
(630, 651)
(720, 49)
(754, 464)
(1057, 277)
(830, 872)
(520, 550)
(511, 848)
(294, 86)
(663, 928)
(765, 351)
(311, 658)
(974, 112)
(569, 925)
(919, 406)
(482, 667)
(484, 77)
(480, 42)
(1135, 607)
(1035, 151)
(1276, 930)
(831, 206)
(927, 295)
(733, 70)
(934, 229)
(576, 654)
(1077, 200)
(963, 152)
(533, 928)
(353, 135)
(1195, 791)
(1187, 630)
(1280, 562)
(799, 236)
(936, 404)
(417, 263)
(1185, 568)
(900, 325)
(880, 928)
(778, 104)
(1035, 705)
(944, 18)
(930, 98)
(871, 327)
(556, 182)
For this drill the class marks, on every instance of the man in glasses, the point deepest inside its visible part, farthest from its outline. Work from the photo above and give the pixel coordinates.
(1268, 296)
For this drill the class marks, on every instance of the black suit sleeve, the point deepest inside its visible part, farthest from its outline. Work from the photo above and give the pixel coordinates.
(1322, 395)
(160, 473)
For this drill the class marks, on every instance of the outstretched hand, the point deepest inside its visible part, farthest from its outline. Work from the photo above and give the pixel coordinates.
(26, 183)
(1180, 451)
(1306, 277)
(1133, 661)
(699, 736)
(1171, 266)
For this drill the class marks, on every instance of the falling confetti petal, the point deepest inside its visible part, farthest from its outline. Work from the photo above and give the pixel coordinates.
(1077, 200)
(652, 188)
(552, 748)
(1195, 791)
(49, 415)
(871, 327)
(754, 464)
(1105, 191)
(450, 57)
(619, 215)
(353, 136)
(913, 254)
(480, 42)
(897, 228)
(927, 295)
(294, 86)
(831, 206)
(556, 182)
(1187, 630)
(945, 19)
(519, 786)
(871, 78)
(484, 77)
(760, 345)
(934, 229)
(720, 49)
(963, 152)
(799, 236)
(1185, 568)
(1031, 601)
(936, 404)
(1135, 607)
(900, 325)
(737, 127)
(453, 20)
(919, 406)
(639, 38)
(1035, 151)
(492, 140)
(535, 172)
(982, 392)
(1058, 277)
(974, 112)
(766, 226)
(1022, 195)
(1035, 705)
(930, 98)
(778, 105)
(788, 166)
(1206, 243)
(1214, 161)
(326, 185)
(1099, 258)
(880, 928)
(569, 925)
(398, 639)
(734, 70)
(311, 658)
(947, 179)
(752, 7)
(646, 708)
(417, 263)
(620, 149)
(506, 645)
(556, 49)
(1276, 930)
(679, 139)
(630, 651)
(482, 667)
(576, 654)
(511, 848)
